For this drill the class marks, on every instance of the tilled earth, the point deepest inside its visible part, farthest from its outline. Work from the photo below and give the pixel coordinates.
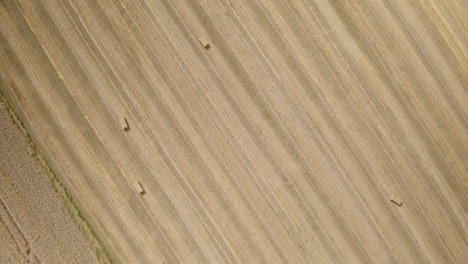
(35, 226)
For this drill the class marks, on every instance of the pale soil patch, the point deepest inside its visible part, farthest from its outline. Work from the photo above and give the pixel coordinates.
(35, 226)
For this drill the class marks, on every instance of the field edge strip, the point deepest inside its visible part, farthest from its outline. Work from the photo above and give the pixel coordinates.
(73, 210)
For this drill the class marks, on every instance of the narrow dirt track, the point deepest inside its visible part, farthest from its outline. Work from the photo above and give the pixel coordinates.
(282, 143)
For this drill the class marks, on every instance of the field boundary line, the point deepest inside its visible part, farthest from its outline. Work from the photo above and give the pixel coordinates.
(73, 210)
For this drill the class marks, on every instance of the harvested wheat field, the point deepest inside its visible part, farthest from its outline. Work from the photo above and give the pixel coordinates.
(251, 131)
(35, 223)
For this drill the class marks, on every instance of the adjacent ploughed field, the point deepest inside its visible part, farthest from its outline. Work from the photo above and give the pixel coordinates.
(35, 224)
(251, 131)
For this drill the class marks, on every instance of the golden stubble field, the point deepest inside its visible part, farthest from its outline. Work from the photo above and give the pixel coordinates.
(284, 142)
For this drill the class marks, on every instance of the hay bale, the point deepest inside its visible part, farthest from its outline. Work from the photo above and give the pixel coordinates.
(204, 43)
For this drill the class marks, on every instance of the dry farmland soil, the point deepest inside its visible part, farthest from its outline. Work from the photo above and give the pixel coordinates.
(35, 222)
(251, 131)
